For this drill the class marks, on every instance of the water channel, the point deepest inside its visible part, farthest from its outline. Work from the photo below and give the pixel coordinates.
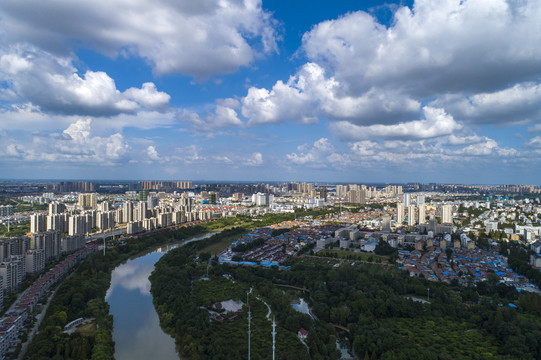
(137, 333)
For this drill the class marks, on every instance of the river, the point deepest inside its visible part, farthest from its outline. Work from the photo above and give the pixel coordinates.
(137, 333)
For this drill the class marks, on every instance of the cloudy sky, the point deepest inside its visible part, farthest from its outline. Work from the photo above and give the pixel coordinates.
(426, 91)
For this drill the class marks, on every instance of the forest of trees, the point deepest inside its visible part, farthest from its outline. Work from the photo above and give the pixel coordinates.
(375, 303)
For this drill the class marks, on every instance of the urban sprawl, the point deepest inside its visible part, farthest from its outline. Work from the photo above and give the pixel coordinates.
(434, 227)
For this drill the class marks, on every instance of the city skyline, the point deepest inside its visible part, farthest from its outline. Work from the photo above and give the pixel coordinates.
(407, 91)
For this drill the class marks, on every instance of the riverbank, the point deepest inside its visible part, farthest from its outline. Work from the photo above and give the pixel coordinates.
(139, 337)
(83, 295)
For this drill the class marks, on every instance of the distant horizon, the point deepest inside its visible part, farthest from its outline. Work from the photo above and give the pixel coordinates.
(202, 181)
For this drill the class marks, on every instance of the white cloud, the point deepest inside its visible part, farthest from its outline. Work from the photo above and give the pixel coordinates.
(198, 38)
(314, 155)
(432, 152)
(220, 117)
(282, 103)
(224, 116)
(190, 154)
(465, 140)
(519, 103)
(474, 59)
(323, 145)
(76, 144)
(311, 94)
(223, 159)
(364, 148)
(53, 84)
(435, 47)
(437, 123)
(148, 96)
(534, 143)
(152, 153)
(255, 160)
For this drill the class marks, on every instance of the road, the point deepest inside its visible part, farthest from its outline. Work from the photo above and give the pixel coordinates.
(107, 234)
(39, 319)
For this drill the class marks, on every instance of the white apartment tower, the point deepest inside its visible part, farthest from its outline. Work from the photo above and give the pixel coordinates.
(446, 214)
(38, 223)
(399, 213)
(411, 215)
(422, 213)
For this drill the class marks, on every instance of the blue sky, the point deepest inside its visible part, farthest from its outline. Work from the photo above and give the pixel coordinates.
(425, 91)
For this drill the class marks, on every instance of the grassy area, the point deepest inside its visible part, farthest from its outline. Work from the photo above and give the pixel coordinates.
(29, 207)
(209, 292)
(87, 329)
(349, 255)
(15, 230)
(221, 245)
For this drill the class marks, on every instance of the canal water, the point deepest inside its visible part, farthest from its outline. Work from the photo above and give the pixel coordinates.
(137, 333)
(302, 307)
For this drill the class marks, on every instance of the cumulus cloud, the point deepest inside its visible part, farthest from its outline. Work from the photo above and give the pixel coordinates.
(446, 151)
(534, 143)
(448, 46)
(437, 123)
(476, 60)
(152, 153)
(148, 96)
(315, 155)
(255, 160)
(76, 144)
(311, 94)
(519, 103)
(284, 102)
(221, 117)
(198, 38)
(53, 84)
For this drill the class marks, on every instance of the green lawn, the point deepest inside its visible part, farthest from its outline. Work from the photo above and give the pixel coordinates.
(350, 255)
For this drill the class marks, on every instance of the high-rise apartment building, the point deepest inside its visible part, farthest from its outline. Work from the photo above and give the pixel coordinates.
(422, 213)
(77, 225)
(56, 208)
(446, 214)
(6, 210)
(104, 206)
(399, 213)
(13, 272)
(407, 199)
(34, 261)
(386, 223)
(127, 212)
(88, 201)
(357, 196)
(38, 223)
(411, 215)
(49, 241)
(341, 191)
(70, 244)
